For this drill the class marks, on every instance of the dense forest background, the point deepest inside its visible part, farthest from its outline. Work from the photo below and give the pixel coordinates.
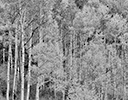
(63, 49)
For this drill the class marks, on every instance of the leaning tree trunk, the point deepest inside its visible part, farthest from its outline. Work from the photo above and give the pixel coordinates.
(29, 66)
(15, 65)
(8, 69)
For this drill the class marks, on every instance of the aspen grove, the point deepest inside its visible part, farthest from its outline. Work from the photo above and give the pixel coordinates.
(63, 49)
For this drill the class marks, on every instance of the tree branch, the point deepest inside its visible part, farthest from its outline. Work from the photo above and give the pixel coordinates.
(33, 31)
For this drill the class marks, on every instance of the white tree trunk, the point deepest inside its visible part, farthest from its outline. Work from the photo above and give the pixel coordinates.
(8, 70)
(29, 67)
(15, 65)
(11, 61)
(23, 55)
(22, 68)
(71, 60)
(37, 91)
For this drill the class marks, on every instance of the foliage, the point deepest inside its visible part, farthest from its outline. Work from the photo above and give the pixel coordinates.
(83, 53)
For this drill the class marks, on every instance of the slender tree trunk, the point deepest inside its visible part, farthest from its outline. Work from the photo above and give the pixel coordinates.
(3, 51)
(15, 65)
(106, 53)
(55, 93)
(19, 61)
(66, 63)
(75, 59)
(112, 76)
(80, 47)
(105, 94)
(78, 54)
(22, 51)
(40, 32)
(22, 68)
(125, 73)
(11, 58)
(123, 66)
(40, 41)
(29, 67)
(8, 69)
(63, 95)
(23, 55)
(37, 91)
(71, 60)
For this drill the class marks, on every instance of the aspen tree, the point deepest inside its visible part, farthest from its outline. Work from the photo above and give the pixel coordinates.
(37, 90)
(40, 41)
(21, 63)
(3, 50)
(29, 67)
(22, 69)
(70, 51)
(105, 97)
(8, 69)
(122, 60)
(63, 93)
(22, 66)
(11, 60)
(15, 65)
(23, 50)
(40, 33)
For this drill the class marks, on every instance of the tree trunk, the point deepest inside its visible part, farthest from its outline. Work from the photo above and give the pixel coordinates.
(23, 55)
(107, 61)
(63, 95)
(3, 51)
(66, 52)
(15, 65)
(11, 61)
(123, 66)
(40, 33)
(40, 41)
(71, 60)
(29, 67)
(78, 56)
(37, 91)
(125, 73)
(22, 69)
(8, 69)
(55, 94)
